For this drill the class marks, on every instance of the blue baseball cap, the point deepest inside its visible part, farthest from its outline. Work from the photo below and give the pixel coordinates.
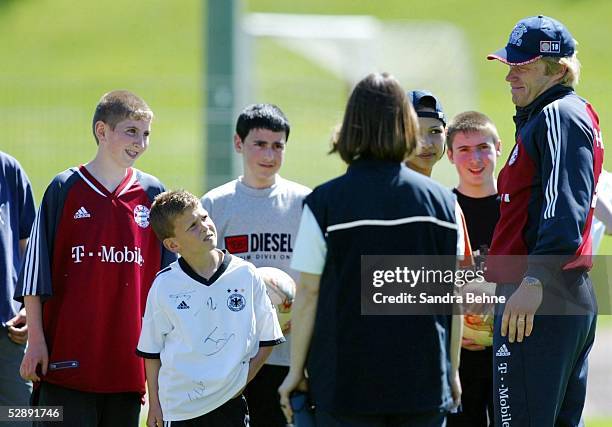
(417, 98)
(535, 37)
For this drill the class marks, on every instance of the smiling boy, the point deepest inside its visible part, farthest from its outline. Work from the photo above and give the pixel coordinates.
(473, 146)
(257, 217)
(88, 267)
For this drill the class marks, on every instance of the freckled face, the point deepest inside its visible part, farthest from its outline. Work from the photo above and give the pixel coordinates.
(127, 141)
(474, 154)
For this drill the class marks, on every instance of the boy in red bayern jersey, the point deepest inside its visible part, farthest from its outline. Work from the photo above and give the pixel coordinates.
(88, 268)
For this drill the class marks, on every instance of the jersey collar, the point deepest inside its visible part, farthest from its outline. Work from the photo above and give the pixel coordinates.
(551, 94)
(95, 185)
(195, 276)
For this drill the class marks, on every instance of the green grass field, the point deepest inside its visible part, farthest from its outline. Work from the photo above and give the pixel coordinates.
(56, 65)
(59, 56)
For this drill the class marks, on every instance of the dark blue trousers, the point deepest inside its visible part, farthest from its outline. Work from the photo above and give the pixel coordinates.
(542, 381)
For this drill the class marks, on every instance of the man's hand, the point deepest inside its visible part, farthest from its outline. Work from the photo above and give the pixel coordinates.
(36, 353)
(17, 328)
(293, 381)
(520, 309)
(155, 417)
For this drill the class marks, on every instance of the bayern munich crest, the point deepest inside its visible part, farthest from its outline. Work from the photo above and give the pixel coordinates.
(514, 155)
(236, 302)
(141, 216)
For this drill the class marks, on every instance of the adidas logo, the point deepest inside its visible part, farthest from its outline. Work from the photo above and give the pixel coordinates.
(503, 351)
(81, 213)
(182, 306)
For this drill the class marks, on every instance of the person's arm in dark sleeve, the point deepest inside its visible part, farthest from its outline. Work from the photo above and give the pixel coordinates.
(566, 168)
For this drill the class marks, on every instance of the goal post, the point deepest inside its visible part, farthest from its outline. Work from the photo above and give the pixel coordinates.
(433, 55)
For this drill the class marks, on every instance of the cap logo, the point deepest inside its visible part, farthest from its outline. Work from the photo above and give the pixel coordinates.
(550, 47)
(517, 34)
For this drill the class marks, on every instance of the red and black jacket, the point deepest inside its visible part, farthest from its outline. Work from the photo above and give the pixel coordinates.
(548, 190)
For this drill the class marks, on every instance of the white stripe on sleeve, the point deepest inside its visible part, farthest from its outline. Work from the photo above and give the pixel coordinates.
(30, 273)
(553, 136)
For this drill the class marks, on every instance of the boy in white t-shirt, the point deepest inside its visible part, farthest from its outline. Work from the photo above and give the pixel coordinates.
(209, 325)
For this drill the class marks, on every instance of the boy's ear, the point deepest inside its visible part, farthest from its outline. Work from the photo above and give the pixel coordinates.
(237, 143)
(171, 244)
(498, 148)
(449, 154)
(100, 128)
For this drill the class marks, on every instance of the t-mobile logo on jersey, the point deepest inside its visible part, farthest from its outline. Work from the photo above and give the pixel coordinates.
(109, 254)
(77, 253)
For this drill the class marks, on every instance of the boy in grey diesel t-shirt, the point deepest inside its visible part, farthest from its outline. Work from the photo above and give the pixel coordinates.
(257, 217)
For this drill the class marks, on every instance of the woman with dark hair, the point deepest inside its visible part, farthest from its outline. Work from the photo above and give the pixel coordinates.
(372, 370)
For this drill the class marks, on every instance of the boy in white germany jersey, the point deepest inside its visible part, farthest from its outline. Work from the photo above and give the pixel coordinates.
(209, 325)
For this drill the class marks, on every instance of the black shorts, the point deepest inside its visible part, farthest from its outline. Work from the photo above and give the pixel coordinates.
(263, 399)
(476, 374)
(233, 413)
(84, 409)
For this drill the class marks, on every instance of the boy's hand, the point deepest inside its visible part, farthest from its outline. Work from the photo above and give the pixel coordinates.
(456, 390)
(155, 418)
(469, 344)
(36, 353)
(17, 328)
(286, 328)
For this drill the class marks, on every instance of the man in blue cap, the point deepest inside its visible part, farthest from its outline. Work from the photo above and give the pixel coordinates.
(541, 249)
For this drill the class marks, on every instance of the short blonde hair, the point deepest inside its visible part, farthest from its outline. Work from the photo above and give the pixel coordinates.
(120, 105)
(166, 207)
(471, 122)
(572, 68)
